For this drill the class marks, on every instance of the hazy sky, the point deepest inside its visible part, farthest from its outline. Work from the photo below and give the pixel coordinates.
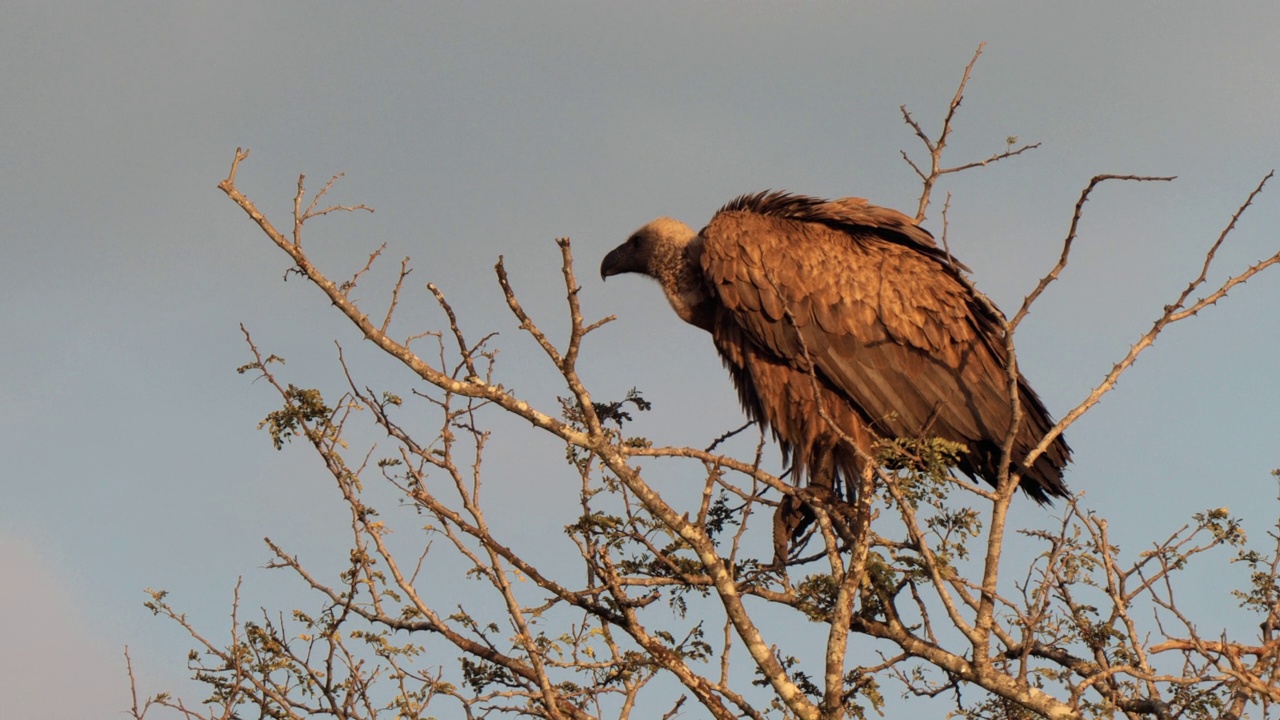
(131, 454)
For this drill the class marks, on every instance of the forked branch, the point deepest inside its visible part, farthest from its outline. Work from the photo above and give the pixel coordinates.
(935, 147)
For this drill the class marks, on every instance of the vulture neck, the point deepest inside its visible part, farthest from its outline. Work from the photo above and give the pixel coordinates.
(679, 271)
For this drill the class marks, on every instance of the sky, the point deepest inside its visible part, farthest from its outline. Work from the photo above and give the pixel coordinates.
(132, 458)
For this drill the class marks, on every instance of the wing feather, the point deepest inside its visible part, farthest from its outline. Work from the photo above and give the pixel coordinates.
(895, 338)
(891, 328)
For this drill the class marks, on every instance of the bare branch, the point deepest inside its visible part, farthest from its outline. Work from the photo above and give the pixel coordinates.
(1057, 269)
(1172, 313)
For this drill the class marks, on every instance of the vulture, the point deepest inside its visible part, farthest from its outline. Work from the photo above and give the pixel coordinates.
(845, 306)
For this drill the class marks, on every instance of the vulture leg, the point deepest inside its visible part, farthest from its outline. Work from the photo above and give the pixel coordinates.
(790, 520)
(795, 512)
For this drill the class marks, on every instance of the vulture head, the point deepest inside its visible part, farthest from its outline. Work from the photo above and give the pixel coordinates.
(668, 251)
(651, 250)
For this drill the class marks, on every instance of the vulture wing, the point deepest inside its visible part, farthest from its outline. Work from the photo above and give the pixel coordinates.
(865, 298)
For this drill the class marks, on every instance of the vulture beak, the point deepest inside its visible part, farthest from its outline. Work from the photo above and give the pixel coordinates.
(613, 263)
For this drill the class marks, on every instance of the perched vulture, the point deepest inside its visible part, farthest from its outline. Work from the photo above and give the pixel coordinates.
(855, 307)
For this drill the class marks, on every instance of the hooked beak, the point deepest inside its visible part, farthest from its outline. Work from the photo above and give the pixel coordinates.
(612, 264)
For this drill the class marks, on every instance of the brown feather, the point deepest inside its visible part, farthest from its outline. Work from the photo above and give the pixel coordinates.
(891, 329)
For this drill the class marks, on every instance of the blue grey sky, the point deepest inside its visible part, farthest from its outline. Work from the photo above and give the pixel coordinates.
(479, 129)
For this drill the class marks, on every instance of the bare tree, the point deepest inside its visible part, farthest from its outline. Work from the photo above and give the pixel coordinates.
(670, 612)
